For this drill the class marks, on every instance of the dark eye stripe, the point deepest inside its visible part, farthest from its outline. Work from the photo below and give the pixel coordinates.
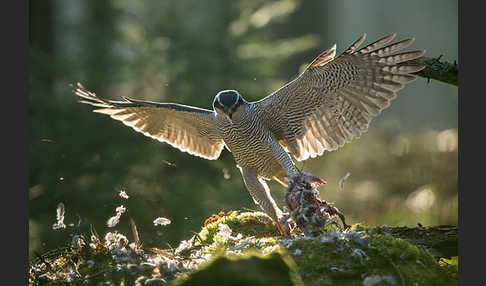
(217, 104)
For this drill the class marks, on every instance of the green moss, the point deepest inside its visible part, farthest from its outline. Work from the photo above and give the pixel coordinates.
(450, 265)
(256, 224)
(262, 257)
(252, 268)
(453, 262)
(337, 264)
(359, 227)
(266, 241)
(326, 263)
(59, 262)
(407, 262)
(440, 241)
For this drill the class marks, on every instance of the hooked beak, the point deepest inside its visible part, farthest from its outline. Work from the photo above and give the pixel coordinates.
(315, 182)
(229, 115)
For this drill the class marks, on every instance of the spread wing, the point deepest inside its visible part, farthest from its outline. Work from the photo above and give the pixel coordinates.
(190, 129)
(334, 99)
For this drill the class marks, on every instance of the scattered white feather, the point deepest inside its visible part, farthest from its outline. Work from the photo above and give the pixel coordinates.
(183, 245)
(341, 181)
(270, 249)
(162, 221)
(123, 194)
(377, 280)
(60, 211)
(226, 174)
(114, 220)
(224, 231)
(120, 210)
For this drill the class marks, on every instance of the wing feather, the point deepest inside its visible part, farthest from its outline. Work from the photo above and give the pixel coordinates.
(334, 99)
(190, 129)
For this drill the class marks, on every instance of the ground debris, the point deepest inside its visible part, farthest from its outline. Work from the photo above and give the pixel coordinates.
(235, 246)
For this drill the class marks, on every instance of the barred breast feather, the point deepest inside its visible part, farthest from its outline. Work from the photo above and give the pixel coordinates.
(253, 145)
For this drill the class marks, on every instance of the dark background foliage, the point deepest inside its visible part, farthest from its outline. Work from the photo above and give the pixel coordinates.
(403, 171)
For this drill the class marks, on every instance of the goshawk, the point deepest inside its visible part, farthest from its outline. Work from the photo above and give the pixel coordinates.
(330, 103)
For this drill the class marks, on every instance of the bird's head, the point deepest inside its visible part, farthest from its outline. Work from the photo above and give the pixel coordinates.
(228, 103)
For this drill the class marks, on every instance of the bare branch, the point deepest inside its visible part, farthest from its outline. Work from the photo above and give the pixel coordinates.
(435, 69)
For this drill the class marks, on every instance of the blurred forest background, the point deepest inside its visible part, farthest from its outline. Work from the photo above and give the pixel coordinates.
(404, 171)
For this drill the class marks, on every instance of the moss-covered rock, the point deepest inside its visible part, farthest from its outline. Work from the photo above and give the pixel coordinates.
(344, 262)
(361, 256)
(250, 269)
(245, 249)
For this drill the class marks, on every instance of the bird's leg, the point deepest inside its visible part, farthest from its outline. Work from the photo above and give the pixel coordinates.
(261, 195)
(281, 181)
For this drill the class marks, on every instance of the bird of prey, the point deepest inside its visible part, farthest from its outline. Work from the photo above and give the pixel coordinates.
(330, 103)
